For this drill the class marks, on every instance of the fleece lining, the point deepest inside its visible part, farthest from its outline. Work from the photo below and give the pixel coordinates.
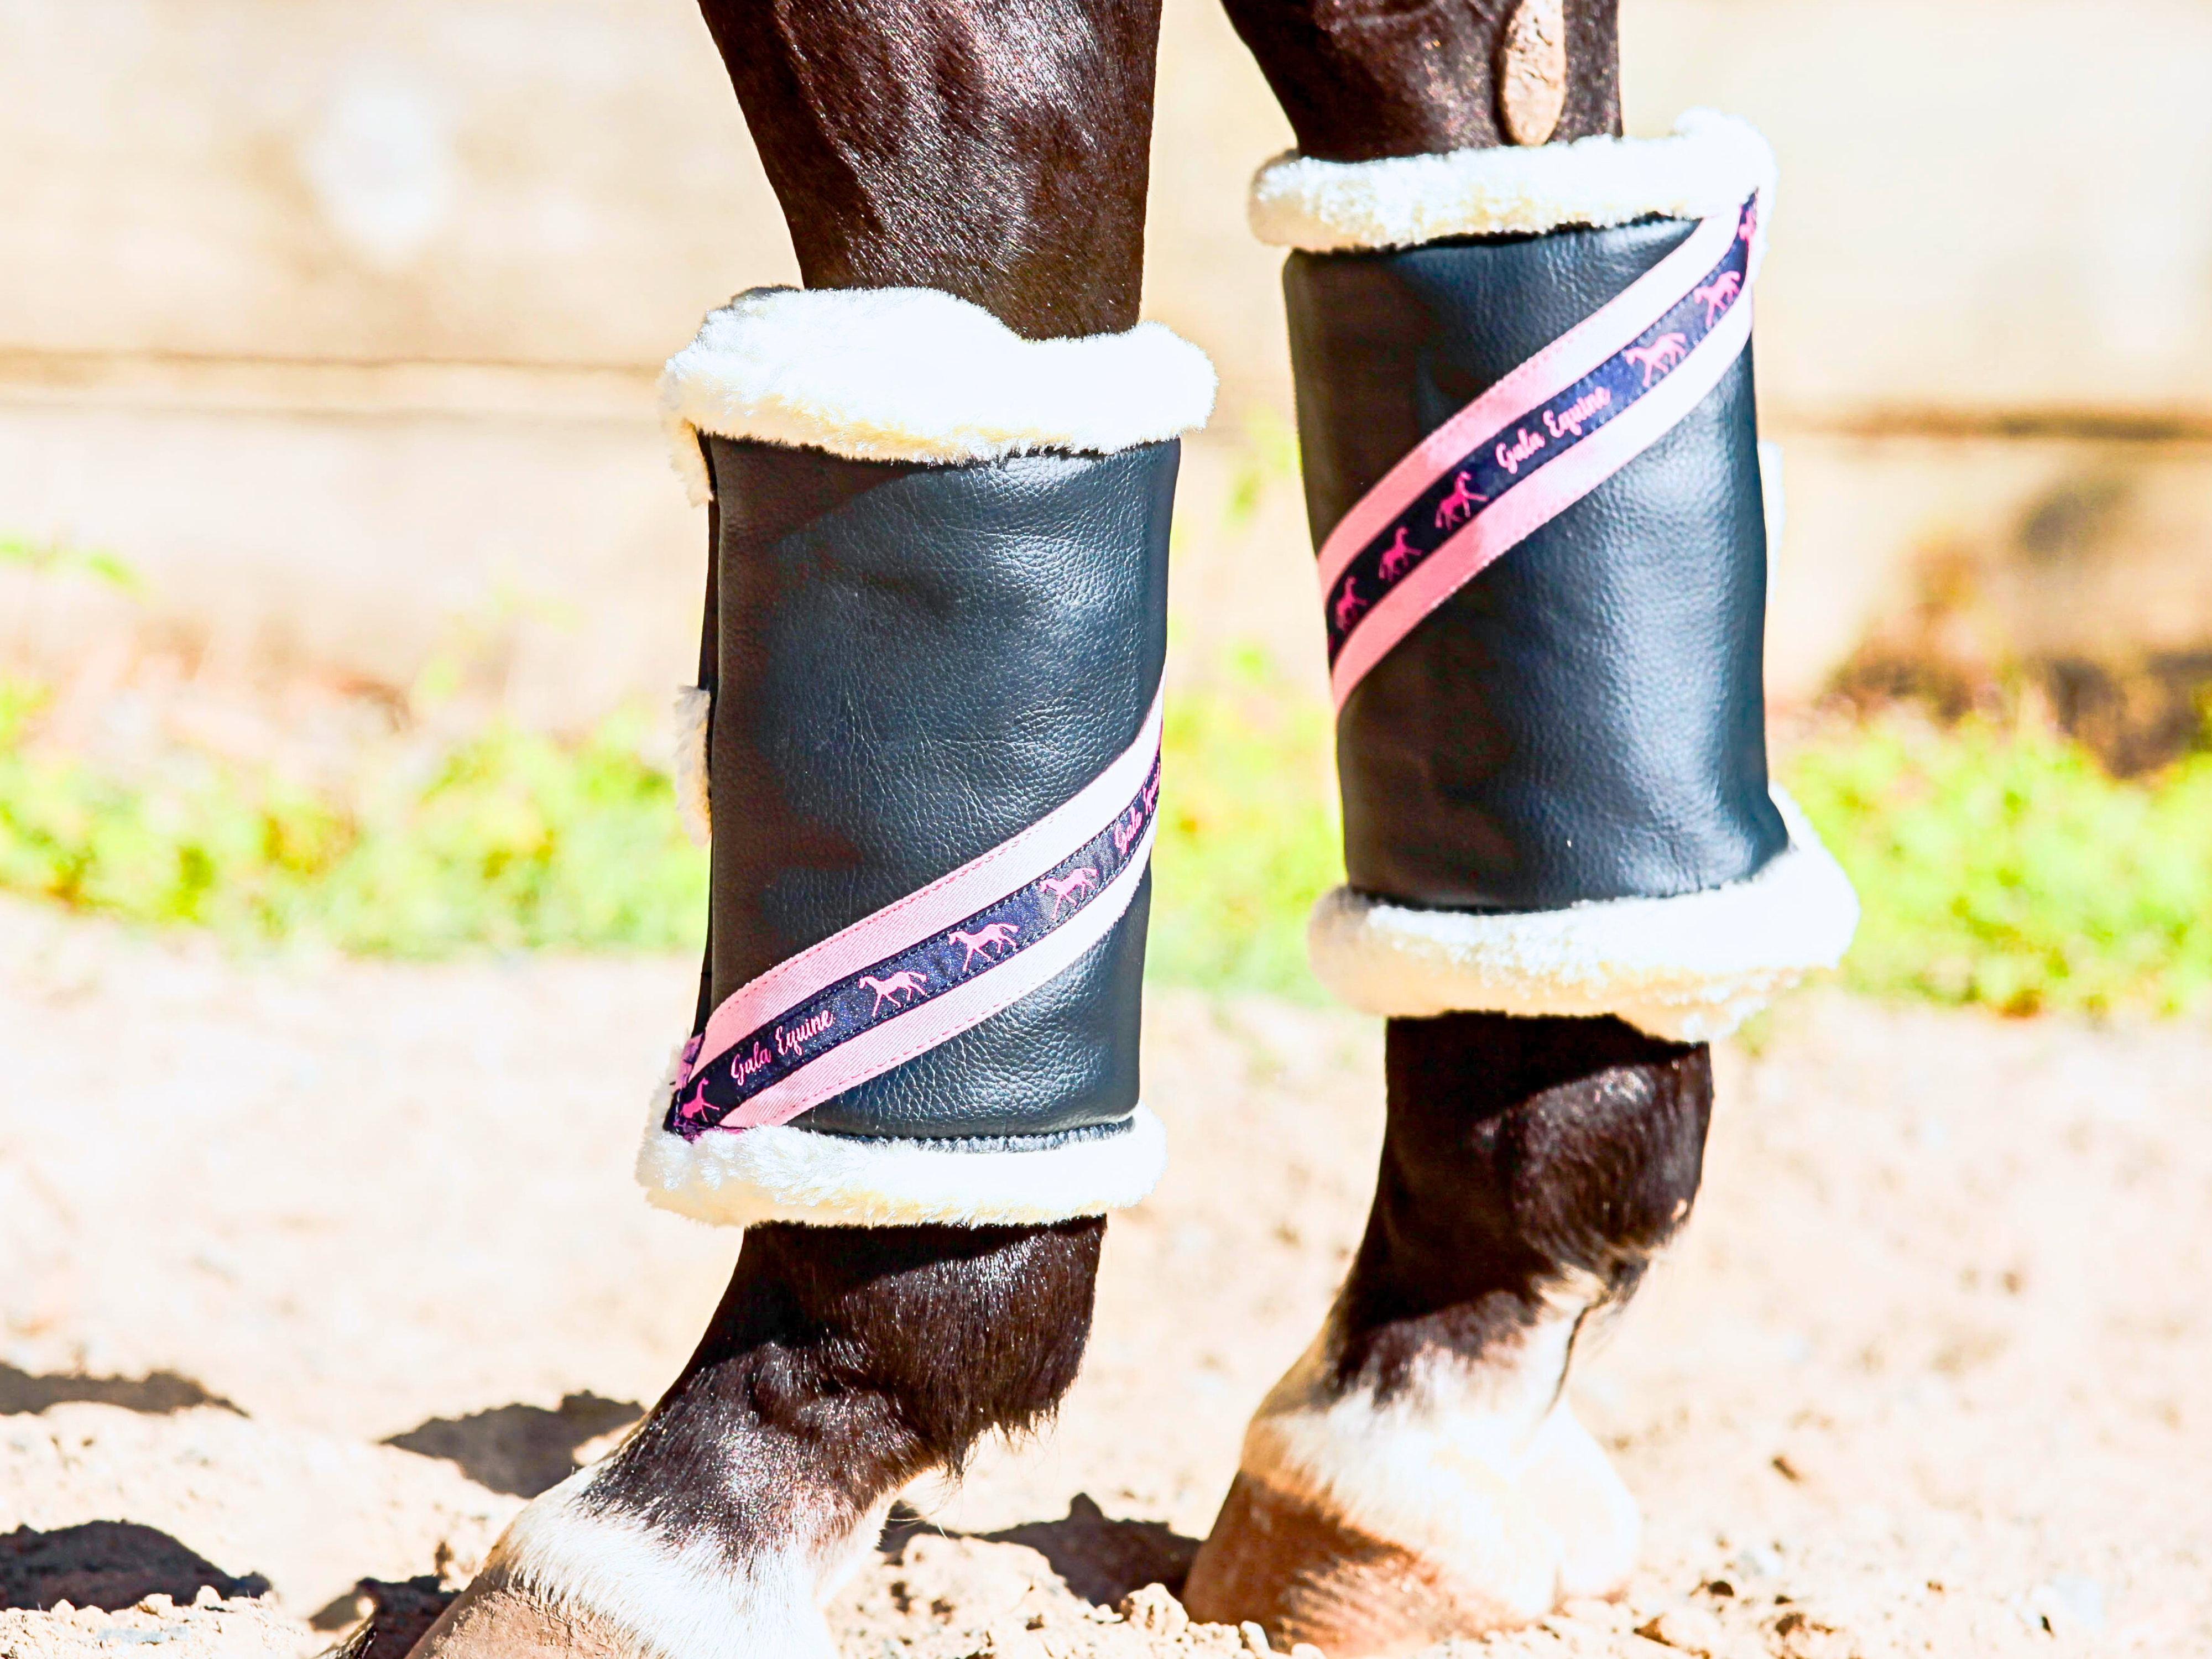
(1689, 968)
(732, 1178)
(913, 374)
(1708, 164)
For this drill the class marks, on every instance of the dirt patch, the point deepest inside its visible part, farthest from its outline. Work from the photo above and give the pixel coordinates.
(207, 1628)
(1097, 1558)
(1926, 1375)
(307, 1513)
(954, 1598)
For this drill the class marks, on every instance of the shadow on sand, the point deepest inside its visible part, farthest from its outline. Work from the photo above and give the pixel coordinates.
(108, 1563)
(522, 1449)
(1102, 1560)
(157, 1392)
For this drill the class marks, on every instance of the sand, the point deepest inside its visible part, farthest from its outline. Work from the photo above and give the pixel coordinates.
(312, 1270)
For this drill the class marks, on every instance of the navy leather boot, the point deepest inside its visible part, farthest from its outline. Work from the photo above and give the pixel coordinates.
(1531, 461)
(938, 625)
(1531, 457)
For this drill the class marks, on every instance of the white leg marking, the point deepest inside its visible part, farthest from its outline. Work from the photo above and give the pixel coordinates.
(687, 1602)
(1574, 1487)
(1474, 1465)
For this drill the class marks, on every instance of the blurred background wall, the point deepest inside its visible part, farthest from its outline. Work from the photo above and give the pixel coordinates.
(338, 322)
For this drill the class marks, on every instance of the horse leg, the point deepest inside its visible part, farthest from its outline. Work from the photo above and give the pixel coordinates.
(1371, 79)
(940, 451)
(1565, 868)
(1419, 1473)
(842, 1363)
(996, 152)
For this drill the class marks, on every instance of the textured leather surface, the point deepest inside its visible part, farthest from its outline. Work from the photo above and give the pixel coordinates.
(915, 664)
(1584, 718)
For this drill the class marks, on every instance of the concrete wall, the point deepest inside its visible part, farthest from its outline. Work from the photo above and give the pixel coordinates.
(338, 318)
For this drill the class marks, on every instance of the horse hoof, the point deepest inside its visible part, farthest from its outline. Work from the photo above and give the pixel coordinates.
(1462, 1500)
(1305, 1574)
(495, 1616)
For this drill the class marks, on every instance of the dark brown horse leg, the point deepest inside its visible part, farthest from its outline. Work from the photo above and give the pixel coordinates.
(842, 1363)
(994, 151)
(1419, 1474)
(1514, 760)
(1368, 78)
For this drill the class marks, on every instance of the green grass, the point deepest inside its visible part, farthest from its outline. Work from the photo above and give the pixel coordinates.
(1247, 836)
(509, 841)
(1998, 866)
(60, 559)
(2001, 866)
(514, 840)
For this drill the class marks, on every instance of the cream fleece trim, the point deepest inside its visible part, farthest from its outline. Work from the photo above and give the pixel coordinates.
(734, 1178)
(912, 374)
(1690, 969)
(695, 804)
(1707, 165)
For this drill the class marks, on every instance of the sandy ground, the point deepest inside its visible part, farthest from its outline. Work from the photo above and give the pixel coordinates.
(311, 1269)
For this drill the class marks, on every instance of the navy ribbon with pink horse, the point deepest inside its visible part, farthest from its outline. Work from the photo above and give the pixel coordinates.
(1536, 442)
(911, 975)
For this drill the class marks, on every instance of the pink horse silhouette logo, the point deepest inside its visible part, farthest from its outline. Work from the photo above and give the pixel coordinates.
(906, 982)
(1460, 504)
(1661, 354)
(999, 933)
(692, 1107)
(1349, 604)
(1748, 225)
(1719, 294)
(1065, 888)
(1399, 554)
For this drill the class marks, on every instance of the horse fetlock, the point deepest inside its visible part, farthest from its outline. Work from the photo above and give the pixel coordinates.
(578, 1576)
(1460, 1498)
(842, 1363)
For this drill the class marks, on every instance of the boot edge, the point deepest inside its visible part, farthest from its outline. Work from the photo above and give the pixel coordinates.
(914, 374)
(732, 1178)
(1706, 165)
(1689, 968)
